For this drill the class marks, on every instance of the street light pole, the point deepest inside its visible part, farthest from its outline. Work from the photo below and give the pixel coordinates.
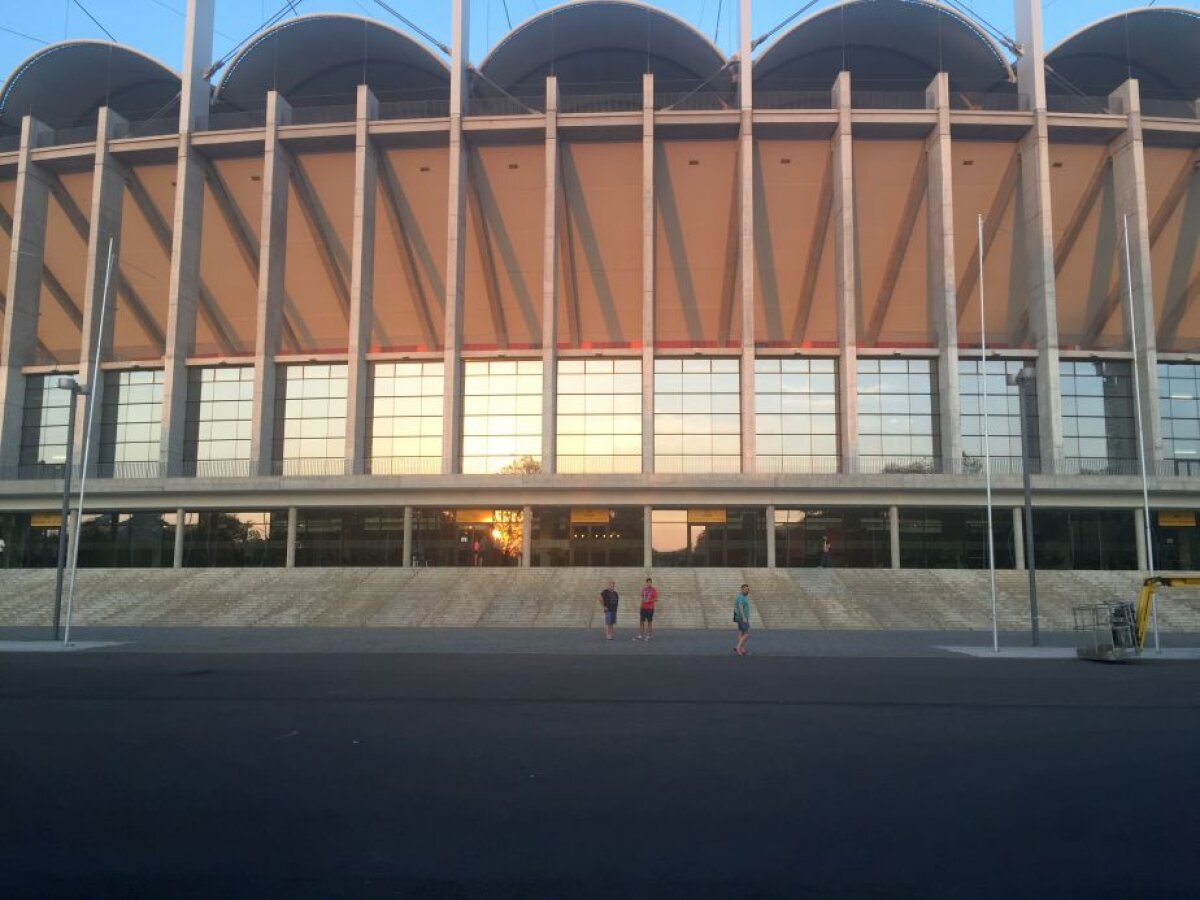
(1025, 381)
(66, 384)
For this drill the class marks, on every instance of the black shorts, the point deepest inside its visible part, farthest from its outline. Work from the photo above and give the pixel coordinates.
(646, 614)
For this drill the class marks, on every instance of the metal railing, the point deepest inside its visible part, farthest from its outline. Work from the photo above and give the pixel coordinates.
(1075, 103)
(218, 468)
(322, 115)
(231, 121)
(1171, 109)
(599, 103)
(405, 465)
(311, 468)
(59, 137)
(505, 106)
(10, 142)
(696, 102)
(414, 109)
(885, 100)
(793, 100)
(149, 128)
(974, 100)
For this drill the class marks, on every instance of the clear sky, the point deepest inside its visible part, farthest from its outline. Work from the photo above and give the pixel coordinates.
(156, 26)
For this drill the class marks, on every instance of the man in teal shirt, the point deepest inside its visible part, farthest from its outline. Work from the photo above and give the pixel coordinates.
(741, 616)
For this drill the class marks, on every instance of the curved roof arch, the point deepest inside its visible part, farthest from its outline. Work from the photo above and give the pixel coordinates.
(593, 45)
(1157, 45)
(65, 84)
(886, 45)
(322, 58)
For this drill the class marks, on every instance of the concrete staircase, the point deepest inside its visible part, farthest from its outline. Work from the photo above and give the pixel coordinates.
(566, 598)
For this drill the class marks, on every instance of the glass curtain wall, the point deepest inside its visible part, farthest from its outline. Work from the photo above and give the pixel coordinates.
(502, 417)
(1179, 406)
(704, 538)
(898, 421)
(235, 539)
(220, 406)
(599, 537)
(1084, 539)
(120, 540)
(599, 415)
(1099, 433)
(697, 416)
(44, 427)
(310, 420)
(364, 536)
(954, 538)
(130, 424)
(1003, 416)
(859, 537)
(1176, 540)
(404, 434)
(467, 537)
(796, 420)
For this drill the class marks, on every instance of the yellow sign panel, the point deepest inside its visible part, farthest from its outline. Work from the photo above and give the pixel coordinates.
(706, 516)
(45, 520)
(581, 516)
(1177, 519)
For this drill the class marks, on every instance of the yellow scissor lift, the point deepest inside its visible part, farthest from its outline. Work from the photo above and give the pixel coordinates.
(1117, 631)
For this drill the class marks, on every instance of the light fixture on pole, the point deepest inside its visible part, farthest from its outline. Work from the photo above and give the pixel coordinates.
(1026, 382)
(66, 383)
(987, 450)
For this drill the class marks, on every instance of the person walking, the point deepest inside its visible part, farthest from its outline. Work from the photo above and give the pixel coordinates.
(826, 553)
(646, 611)
(609, 600)
(741, 617)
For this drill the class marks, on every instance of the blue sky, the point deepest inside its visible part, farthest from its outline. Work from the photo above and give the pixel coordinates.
(156, 26)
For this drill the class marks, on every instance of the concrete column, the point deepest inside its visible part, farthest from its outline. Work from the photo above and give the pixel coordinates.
(771, 562)
(647, 529)
(526, 536)
(108, 191)
(1018, 518)
(23, 291)
(894, 532)
(846, 275)
(1139, 528)
(407, 549)
(1038, 229)
(271, 262)
(648, 245)
(941, 276)
(746, 236)
(550, 285)
(293, 523)
(1129, 181)
(362, 283)
(455, 240)
(180, 531)
(197, 55)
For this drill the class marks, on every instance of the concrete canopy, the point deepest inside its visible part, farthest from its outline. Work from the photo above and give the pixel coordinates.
(1160, 47)
(896, 45)
(596, 46)
(321, 59)
(65, 84)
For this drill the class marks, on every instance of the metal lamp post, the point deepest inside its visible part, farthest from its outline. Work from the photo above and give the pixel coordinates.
(66, 384)
(1026, 383)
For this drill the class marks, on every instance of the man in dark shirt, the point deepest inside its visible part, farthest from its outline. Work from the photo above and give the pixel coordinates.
(609, 600)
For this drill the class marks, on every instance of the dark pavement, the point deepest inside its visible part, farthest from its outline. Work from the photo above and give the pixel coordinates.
(536, 775)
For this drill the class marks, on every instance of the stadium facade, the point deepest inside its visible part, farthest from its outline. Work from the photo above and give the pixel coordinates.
(609, 297)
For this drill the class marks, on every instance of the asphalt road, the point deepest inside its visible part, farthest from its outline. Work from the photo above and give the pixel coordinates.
(159, 775)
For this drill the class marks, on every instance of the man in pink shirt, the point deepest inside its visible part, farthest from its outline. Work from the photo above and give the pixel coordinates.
(646, 612)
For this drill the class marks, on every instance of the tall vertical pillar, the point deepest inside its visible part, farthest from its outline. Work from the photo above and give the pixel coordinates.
(940, 270)
(271, 262)
(180, 532)
(647, 537)
(648, 265)
(293, 525)
(526, 536)
(23, 291)
(894, 534)
(184, 287)
(108, 190)
(407, 546)
(1129, 179)
(1037, 227)
(362, 282)
(846, 275)
(550, 285)
(771, 560)
(456, 222)
(746, 236)
(1139, 538)
(1018, 520)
